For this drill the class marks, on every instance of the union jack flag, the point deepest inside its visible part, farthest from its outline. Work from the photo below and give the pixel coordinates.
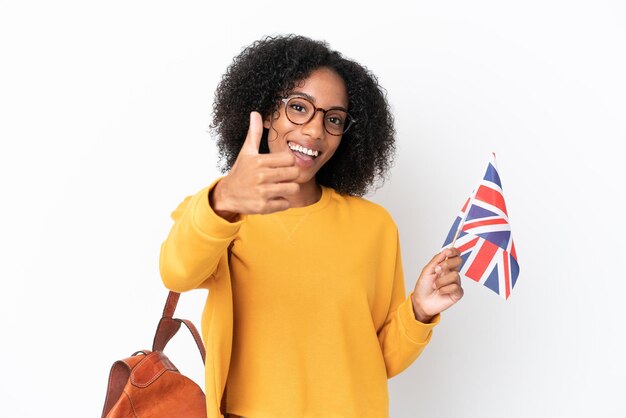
(485, 240)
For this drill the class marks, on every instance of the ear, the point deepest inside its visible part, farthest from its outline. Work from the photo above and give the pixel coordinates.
(267, 122)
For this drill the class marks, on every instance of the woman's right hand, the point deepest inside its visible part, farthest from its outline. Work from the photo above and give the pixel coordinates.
(256, 183)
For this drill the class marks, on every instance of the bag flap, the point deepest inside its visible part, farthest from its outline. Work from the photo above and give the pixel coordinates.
(150, 368)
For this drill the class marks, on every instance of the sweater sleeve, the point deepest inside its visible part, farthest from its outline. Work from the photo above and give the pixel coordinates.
(195, 244)
(402, 337)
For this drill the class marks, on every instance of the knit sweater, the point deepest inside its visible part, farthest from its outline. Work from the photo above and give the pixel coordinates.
(306, 314)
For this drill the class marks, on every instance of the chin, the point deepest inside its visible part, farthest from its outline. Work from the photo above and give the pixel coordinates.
(304, 178)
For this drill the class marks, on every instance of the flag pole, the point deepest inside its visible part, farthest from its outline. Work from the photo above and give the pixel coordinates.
(458, 230)
(462, 223)
(469, 205)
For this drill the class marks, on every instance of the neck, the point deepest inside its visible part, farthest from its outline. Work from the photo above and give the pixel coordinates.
(310, 193)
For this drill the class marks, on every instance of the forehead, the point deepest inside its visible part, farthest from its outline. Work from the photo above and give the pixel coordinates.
(326, 87)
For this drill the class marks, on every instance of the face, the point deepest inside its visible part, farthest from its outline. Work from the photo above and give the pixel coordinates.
(325, 89)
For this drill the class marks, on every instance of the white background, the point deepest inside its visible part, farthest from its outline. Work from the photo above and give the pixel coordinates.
(104, 110)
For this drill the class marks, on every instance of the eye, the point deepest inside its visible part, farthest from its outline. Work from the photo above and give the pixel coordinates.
(299, 106)
(336, 119)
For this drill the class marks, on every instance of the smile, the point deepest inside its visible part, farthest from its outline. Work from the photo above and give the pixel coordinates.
(302, 150)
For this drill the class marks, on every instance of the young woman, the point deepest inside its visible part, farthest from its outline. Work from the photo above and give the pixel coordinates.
(306, 314)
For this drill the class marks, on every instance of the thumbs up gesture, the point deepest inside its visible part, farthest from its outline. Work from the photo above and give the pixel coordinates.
(257, 183)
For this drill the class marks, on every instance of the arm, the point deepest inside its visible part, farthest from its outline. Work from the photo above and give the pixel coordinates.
(402, 337)
(202, 230)
(199, 237)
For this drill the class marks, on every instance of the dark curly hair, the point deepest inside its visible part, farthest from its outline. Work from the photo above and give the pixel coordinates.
(272, 67)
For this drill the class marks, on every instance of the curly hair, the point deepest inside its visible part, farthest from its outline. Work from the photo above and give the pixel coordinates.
(272, 67)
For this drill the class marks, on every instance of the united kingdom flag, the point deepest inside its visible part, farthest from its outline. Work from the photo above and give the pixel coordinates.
(484, 237)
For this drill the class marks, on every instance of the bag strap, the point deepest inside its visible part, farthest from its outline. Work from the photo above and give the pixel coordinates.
(169, 326)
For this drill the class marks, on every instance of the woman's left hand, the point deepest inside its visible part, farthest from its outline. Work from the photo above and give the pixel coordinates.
(439, 285)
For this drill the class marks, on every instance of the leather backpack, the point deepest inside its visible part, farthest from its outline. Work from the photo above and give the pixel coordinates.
(147, 384)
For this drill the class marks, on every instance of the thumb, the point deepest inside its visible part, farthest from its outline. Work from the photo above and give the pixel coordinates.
(438, 258)
(253, 138)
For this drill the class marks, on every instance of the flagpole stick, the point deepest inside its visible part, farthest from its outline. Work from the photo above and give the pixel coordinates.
(458, 231)
(462, 223)
(456, 235)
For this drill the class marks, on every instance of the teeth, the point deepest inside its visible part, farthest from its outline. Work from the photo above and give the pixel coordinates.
(303, 150)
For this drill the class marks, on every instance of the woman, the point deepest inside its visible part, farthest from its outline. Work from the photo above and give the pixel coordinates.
(307, 314)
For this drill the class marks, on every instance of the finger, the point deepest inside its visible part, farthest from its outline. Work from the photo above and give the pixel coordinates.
(279, 190)
(253, 138)
(432, 264)
(451, 264)
(455, 291)
(451, 252)
(447, 279)
(278, 175)
(279, 159)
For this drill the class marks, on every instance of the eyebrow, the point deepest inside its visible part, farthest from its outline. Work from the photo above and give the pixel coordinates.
(311, 98)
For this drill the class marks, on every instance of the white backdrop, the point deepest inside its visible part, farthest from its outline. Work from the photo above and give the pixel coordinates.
(104, 109)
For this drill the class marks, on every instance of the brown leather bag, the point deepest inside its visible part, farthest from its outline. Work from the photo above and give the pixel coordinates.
(147, 384)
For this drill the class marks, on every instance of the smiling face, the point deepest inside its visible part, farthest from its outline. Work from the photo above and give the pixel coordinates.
(311, 144)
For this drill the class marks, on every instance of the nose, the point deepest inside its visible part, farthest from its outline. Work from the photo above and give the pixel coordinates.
(315, 127)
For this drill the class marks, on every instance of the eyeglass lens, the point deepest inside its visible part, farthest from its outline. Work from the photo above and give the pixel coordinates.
(300, 111)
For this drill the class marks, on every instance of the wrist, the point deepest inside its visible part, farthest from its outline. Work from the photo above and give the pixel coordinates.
(419, 313)
(216, 201)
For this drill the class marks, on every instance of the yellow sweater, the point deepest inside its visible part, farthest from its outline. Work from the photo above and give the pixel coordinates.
(307, 317)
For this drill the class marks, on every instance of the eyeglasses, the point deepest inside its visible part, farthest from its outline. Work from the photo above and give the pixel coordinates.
(300, 111)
